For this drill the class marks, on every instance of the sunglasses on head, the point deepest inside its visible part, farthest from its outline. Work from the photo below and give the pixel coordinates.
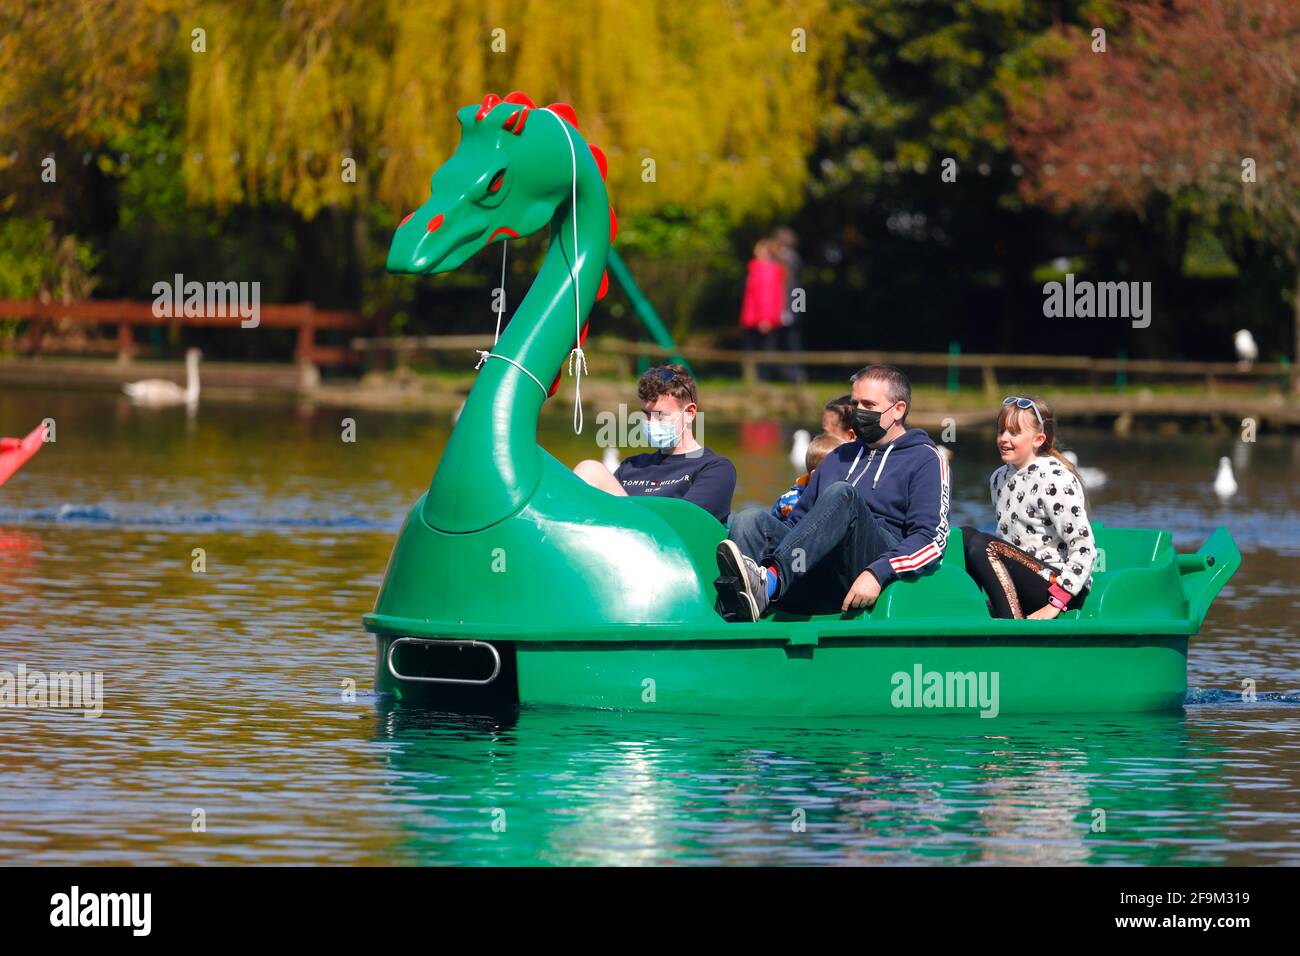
(1025, 403)
(668, 377)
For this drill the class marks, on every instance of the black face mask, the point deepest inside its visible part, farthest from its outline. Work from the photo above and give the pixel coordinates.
(867, 425)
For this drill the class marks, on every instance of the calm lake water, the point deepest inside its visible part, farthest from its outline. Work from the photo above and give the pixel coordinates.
(224, 691)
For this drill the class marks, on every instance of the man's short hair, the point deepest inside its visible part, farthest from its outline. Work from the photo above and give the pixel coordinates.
(671, 380)
(898, 387)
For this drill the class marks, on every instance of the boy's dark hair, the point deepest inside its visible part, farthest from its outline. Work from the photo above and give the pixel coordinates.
(842, 407)
(671, 380)
(898, 387)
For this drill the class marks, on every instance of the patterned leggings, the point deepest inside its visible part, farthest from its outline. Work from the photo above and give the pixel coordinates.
(1010, 577)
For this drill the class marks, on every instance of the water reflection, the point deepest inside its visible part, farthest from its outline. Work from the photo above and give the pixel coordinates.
(608, 788)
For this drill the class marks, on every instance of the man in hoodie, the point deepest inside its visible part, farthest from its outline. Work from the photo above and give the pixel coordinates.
(876, 509)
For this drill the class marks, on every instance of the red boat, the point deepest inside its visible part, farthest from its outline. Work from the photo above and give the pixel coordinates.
(16, 452)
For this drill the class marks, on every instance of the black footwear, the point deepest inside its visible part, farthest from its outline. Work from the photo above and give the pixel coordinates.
(742, 587)
(730, 596)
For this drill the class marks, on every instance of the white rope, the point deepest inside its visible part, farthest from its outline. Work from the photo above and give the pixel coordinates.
(484, 355)
(577, 353)
(501, 308)
(577, 358)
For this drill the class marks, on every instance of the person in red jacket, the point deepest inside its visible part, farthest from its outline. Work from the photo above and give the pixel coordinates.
(760, 310)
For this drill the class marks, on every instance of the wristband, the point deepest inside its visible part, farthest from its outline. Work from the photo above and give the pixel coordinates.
(1057, 596)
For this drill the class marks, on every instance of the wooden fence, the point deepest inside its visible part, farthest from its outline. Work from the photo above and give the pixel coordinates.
(1096, 371)
(127, 315)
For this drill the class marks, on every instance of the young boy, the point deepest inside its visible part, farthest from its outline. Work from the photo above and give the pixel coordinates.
(818, 449)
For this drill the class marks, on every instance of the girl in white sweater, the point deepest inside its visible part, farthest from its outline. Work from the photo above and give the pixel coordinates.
(1040, 561)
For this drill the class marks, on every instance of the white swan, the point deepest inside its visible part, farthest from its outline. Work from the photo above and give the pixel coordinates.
(799, 450)
(1225, 485)
(1091, 477)
(159, 391)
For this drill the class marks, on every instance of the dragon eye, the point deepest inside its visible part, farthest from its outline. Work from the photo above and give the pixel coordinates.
(496, 182)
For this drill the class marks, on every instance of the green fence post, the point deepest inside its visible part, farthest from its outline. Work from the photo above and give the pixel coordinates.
(1121, 374)
(954, 350)
(644, 311)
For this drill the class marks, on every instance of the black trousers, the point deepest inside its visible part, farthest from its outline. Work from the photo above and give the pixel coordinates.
(756, 341)
(821, 556)
(1010, 577)
(792, 341)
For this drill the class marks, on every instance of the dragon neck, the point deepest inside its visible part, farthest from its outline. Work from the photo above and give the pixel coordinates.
(492, 462)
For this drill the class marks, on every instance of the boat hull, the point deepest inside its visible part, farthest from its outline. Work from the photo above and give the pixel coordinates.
(927, 646)
(985, 676)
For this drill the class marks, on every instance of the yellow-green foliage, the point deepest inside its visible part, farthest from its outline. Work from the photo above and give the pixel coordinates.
(712, 90)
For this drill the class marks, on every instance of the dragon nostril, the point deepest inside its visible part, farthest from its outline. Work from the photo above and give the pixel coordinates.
(435, 222)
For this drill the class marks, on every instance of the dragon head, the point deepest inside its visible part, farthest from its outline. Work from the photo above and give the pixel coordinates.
(500, 183)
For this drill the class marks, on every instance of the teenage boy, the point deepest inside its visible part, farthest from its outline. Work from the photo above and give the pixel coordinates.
(679, 466)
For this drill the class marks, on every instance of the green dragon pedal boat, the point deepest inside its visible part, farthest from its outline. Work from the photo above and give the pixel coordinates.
(513, 581)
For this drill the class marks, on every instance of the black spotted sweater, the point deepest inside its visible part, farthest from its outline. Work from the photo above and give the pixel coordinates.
(1040, 510)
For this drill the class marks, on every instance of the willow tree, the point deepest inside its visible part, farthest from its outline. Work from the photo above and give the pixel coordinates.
(707, 109)
(699, 103)
(338, 112)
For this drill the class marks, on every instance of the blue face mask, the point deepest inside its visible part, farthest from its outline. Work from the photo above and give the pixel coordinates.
(661, 435)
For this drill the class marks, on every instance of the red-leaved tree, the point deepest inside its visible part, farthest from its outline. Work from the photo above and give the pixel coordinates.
(1195, 99)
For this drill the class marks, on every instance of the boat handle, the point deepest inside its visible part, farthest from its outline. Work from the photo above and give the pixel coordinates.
(496, 659)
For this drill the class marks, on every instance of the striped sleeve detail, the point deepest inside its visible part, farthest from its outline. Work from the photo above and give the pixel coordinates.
(932, 550)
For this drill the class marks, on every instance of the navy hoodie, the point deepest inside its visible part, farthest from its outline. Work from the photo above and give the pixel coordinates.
(905, 484)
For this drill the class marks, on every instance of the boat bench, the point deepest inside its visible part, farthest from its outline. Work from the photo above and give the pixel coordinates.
(1138, 574)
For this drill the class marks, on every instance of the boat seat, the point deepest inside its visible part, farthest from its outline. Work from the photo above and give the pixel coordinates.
(1139, 575)
(945, 591)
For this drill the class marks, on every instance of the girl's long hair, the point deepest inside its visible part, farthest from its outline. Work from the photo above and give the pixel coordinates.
(1012, 418)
